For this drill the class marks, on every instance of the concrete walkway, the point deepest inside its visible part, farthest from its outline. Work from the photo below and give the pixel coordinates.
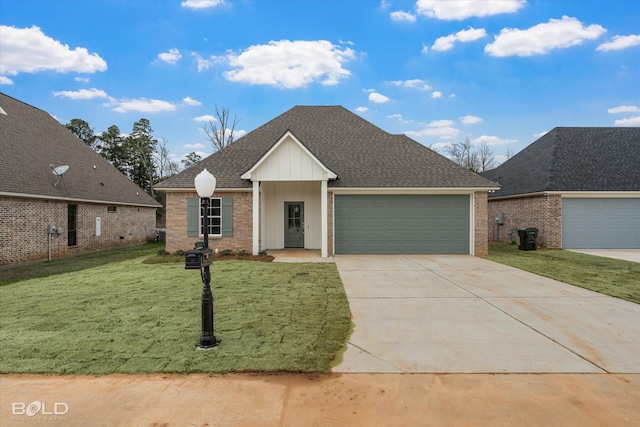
(462, 314)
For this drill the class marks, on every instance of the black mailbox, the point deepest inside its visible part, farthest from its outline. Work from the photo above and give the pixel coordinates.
(197, 258)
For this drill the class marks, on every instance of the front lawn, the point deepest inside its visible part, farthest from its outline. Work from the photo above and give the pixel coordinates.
(131, 317)
(608, 276)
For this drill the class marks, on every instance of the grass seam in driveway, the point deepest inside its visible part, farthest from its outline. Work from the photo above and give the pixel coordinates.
(614, 277)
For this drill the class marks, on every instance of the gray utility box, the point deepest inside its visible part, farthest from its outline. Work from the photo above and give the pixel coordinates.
(528, 238)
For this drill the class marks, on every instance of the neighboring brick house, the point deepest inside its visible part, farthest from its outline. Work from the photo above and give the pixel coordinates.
(579, 186)
(92, 205)
(323, 178)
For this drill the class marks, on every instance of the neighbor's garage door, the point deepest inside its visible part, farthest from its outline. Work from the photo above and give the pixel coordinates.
(601, 223)
(402, 224)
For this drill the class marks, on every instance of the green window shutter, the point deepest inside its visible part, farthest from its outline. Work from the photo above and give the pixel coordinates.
(193, 216)
(227, 217)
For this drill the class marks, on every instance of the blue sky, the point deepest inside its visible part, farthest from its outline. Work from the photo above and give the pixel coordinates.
(501, 72)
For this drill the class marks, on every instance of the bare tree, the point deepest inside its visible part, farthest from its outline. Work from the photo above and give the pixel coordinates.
(510, 153)
(221, 134)
(462, 153)
(485, 157)
(164, 165)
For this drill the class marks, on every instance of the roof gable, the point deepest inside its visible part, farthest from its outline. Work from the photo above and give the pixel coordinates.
(288, 160)
(573, 159)
(31, 141)
(358, 152)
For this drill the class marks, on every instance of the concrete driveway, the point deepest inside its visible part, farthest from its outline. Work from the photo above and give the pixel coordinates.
(463, 314)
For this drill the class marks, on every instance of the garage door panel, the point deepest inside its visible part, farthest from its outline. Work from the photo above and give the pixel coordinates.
(366, 224)
(601, 223)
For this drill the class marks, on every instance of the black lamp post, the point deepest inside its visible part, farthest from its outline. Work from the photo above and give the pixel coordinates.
(205, 184)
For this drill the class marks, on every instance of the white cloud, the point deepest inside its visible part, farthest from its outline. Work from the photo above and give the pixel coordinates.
(362, 109)
(492, 140)
(542, 38)
(440, 123)
(170, 57)
(463, 9)
(470, 120)
(190, 101)
(540, 134)
(437, 128)
(378, 98)
(413, 84)
(290, 64)
(630, 121)
(620, 42)
(463, 36)
(29, 50)
(195, 146)
(205, 118)
(142, 105)
(201, 4)
(436, 94)
(81, 79)
(401, 16)
(624, 109)
(82, 94)
(205, 64)
(4, 80)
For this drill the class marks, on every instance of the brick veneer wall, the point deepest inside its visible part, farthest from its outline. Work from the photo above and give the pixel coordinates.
(481, 241)
(24, 223)
(177, 238)
(541, 212)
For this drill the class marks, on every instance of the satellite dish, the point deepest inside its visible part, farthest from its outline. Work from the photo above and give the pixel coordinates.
(59, 170)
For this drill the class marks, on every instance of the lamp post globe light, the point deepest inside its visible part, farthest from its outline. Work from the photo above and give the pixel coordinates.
(205, 184)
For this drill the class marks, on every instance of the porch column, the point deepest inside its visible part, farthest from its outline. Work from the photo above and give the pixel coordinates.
(256, 217)
(323, 219)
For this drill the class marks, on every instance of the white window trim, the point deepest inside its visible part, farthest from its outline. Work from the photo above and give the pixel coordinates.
(220, 216)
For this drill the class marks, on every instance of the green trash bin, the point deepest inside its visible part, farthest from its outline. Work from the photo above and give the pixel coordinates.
(528, 238)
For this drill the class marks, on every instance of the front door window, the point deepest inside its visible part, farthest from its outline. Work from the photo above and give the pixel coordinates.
(294, 225)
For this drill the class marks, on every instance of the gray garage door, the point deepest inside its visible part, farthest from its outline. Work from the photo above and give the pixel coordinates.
(601, 223)
(402, 224)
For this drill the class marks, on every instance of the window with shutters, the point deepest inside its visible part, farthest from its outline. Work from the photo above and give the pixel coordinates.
(219, 218)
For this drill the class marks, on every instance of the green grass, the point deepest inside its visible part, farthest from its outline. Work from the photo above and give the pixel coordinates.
(608, 276)
(130, 317)
(44, 268)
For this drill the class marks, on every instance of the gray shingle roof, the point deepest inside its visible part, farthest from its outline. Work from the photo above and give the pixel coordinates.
(573, 159)
(360, 153)
(31, 140)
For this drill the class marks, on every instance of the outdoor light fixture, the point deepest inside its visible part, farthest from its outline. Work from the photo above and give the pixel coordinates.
(202, 256)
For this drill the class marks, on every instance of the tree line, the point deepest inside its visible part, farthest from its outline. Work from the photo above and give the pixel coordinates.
(143, 158)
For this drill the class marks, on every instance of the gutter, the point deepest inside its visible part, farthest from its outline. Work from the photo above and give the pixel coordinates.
(70, 199)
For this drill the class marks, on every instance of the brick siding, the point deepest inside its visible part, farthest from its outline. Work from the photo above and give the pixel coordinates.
(541, 212)
(178, 239)
(481, 242)
(24, 223)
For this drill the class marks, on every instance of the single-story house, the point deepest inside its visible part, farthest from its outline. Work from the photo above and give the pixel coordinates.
(580, 186)
(323, 178)
(57, 195)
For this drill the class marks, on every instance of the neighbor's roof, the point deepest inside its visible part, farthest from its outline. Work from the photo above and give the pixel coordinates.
(31, 140)
(573, 159)
(361, 154)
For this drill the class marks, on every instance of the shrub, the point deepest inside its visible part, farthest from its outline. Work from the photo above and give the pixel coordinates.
(226, 252)
(242, 252)
(179, 252)
(162, 252)
(263, 252)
